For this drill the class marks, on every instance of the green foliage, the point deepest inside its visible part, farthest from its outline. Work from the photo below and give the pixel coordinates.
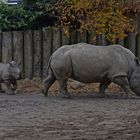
(31, 14)
(39, 5)
(15, 17)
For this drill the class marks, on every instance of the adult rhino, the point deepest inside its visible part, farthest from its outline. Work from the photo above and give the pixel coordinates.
(89, 63)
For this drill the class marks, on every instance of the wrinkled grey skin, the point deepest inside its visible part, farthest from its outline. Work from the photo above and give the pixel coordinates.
(89, 64)
(9, 74)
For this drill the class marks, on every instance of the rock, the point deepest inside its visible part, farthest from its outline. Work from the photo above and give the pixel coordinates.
(76, 85)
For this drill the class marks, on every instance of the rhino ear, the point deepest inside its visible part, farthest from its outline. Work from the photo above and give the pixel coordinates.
(13, 63)
(137, 61)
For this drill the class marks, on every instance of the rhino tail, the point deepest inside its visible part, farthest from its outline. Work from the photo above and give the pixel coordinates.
(49, 69)
(50, 79)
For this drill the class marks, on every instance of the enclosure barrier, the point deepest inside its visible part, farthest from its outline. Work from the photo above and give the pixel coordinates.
(31, 49)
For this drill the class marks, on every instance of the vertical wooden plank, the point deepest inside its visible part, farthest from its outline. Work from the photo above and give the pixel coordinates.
(6, 47)
(82, 37)
(98, 40)
(91, 39)
(56, 39)
(101, 40)
(28, 54)
(65, 38)
(37, 53)
(131, 42)
(18, 49)
(73, 37)
(137, 21)
(138, 45)
(0, 47)
(47, 48)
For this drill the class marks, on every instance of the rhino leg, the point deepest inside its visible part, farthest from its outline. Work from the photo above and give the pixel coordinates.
(9, 88)
(63, 88)
(124, 84)
(0, 88)
(14, 83)
(103, 86)
(48, 82)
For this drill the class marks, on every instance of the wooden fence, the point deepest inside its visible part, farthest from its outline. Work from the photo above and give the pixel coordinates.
(32, 49)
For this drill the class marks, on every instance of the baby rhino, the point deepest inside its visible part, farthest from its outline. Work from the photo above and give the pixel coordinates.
(9, 74)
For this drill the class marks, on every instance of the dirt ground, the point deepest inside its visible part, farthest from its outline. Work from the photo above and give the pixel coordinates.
(29, 115)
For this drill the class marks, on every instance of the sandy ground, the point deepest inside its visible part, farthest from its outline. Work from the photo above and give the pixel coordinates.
(29, 115)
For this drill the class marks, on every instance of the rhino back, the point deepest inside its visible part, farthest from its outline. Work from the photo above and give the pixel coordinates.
(92, 63)
(89, 63)
(4, 71)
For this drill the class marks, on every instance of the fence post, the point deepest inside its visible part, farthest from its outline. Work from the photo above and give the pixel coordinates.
(73, 37)
(47, 47)
(91, 38)
(101, 40)
(6, 47)
(65, 38)
(130, 42)
(0, 47)
(138, 44)
(28, 54)
(56, 39)
(37, 53)
(18, 49)
(82, 37)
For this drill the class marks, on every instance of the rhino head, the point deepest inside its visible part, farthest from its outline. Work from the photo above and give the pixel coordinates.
(135, 78)
(14, 70)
